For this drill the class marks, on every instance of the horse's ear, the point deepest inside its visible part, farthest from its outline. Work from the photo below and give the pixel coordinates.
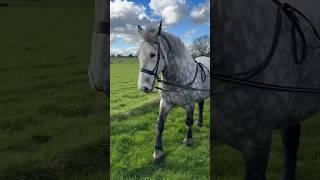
(140, 30)
(159, 29)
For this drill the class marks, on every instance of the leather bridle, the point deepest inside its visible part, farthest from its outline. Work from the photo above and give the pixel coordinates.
(154, 72)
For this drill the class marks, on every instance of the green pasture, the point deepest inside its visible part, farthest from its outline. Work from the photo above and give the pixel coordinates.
(133, 122)
(124, 60)
(51, 123)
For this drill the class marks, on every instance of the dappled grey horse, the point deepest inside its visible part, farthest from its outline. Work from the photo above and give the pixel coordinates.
(244, 117)
(184, 81)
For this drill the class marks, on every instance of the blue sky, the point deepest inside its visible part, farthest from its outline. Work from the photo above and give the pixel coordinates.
(183, 18)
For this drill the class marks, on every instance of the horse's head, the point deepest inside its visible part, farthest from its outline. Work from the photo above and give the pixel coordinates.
(151, 61)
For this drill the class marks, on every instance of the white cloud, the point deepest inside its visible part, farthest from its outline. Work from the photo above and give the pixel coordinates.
(189, 33)
(171, 10)
(125, 16)
(187, 37)
(201, 14)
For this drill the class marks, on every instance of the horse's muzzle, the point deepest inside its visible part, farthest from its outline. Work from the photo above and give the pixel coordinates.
(146, 89)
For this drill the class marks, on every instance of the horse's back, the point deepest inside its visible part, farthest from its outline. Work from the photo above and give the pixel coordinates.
(204, 60)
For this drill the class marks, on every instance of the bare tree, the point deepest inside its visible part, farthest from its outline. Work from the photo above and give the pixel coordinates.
(201, 46)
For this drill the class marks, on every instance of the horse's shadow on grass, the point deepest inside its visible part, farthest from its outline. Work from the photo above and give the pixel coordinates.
(181, 166)
(189, 162)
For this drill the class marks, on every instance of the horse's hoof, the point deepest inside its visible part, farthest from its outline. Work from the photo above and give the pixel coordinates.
(159, 156)
(187, 141)
(199, 124)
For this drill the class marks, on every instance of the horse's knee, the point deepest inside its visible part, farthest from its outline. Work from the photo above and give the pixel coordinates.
(290, 136)
(189, 121)
(160, 124)
(189, 118)
(201, 105)
(200, 115)
(256, 154)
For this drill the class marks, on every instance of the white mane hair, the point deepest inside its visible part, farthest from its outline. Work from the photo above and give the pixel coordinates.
(178, 49)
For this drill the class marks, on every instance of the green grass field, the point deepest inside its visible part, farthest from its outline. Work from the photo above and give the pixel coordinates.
(51, 122)
(133, 121)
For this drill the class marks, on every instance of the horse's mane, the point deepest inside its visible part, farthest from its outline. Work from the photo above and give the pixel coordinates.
(178, 49)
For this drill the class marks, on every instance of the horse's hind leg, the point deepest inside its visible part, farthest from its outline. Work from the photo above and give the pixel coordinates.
(290, 139)
(158, 154)
(200, 115)
(189, 122)
(256, 154)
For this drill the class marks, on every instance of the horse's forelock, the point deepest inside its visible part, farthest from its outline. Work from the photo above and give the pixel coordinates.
(150, 35)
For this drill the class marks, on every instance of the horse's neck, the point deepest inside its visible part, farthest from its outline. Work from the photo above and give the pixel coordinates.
(180, 71)
(244, 30)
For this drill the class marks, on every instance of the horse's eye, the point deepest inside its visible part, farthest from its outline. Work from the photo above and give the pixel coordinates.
(152, 55)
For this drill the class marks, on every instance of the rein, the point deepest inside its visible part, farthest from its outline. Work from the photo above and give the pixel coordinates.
(187, 86)
(292, 14)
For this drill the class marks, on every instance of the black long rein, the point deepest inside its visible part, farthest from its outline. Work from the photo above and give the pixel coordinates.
(188, 85)
(293, 15)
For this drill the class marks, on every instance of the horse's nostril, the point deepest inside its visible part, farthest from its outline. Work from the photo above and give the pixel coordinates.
(145, 89)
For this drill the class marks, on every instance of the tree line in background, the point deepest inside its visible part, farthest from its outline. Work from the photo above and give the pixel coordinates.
(121, 55)
(200, 47)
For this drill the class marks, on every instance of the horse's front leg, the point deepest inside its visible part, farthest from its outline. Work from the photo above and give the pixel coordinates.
(189, 122)
(290, 139)
(158, 154)
(256, 152)
(200, 115)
